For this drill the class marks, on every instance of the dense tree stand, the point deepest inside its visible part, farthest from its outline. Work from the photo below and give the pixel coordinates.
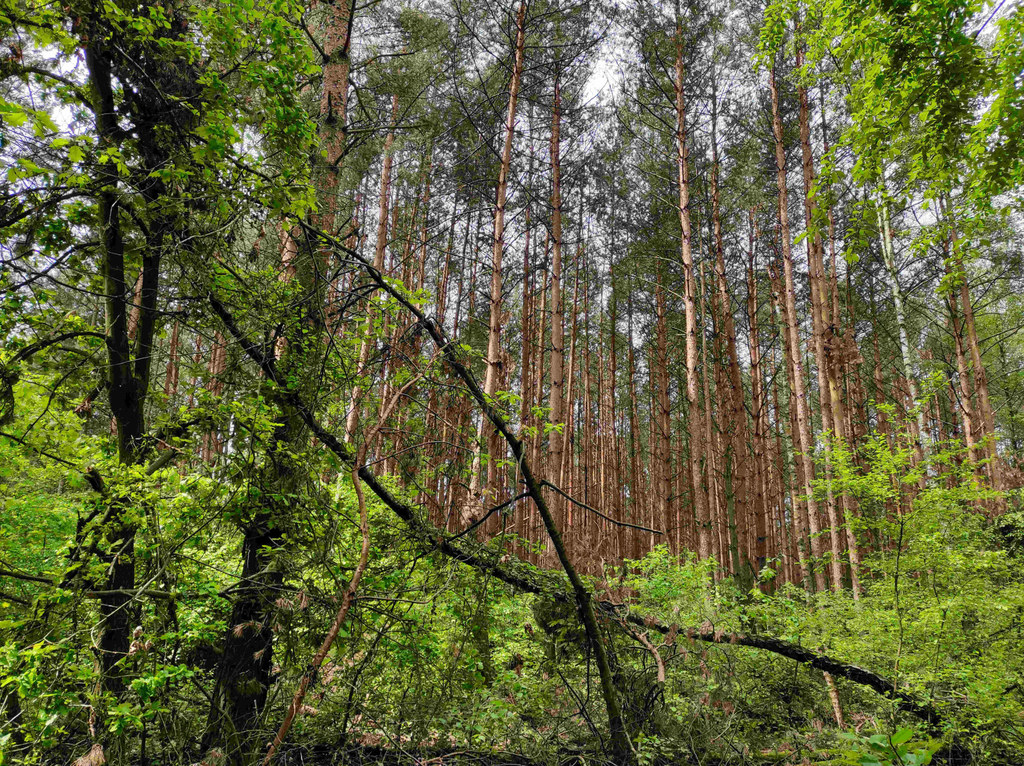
(535, 383)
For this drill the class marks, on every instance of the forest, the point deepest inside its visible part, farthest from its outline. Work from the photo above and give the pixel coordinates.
(526, 383)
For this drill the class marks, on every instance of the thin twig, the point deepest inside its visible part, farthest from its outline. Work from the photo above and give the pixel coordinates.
(586, 507)
(488, 515)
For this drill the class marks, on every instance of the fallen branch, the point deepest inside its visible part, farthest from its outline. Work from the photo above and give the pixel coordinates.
(646, 643)
(134, 592)
(855, 673)
(510, 569)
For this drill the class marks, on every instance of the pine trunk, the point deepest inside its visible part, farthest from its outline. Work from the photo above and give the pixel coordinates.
(802, 437)
(698, 436)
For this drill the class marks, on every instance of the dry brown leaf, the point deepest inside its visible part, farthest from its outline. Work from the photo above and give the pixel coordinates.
(94, 757)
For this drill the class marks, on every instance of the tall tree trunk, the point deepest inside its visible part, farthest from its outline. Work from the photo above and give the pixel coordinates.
(736, 415)
(764, 524)
(889, 259)
(526, 323)
(540, 366)
(556, 396)
(614, 444)
(173, 362)
(661, 449)
(723, 530)
(636, 484)
(216, 365)
(565, 470)
(334, 103)
(966, 405)
(986, 417)
(698, 436)
(820, 318)
(245, 671)
(244, 674)
(494, 351)
(131, 326)
(785, 477)
(355, 403)
(126, 393)
(803, 441)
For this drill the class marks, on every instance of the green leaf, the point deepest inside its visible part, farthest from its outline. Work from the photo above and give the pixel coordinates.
(902, 736)
(15, 118)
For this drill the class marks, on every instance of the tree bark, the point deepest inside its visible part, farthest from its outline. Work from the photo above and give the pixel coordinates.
(820, 319)
(737, 434)
(803, 441)
(698, 437)
(889, 259)
(494, 352)
(556, 396)
(355, 401)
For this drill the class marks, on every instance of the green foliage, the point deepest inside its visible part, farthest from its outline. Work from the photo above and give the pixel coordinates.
(216, 165)
(666, 584)
(896, 749)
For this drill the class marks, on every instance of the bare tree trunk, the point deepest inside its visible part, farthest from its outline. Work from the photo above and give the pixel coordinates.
(698, 436)
(721, 529)
(494, 351)
(173, 362)
(614, 444)
(215, 367)
(735, 419)
(833, 695)
(764, 524)
(636, 484)
(603, 448)
(986, 417)
(539, 360)
(804, 443)
(889, 258)
(556, 397)
(661, 450)
(526, 324)
(352, 421)
(795, 528)
(966, 405)
(820, 319)
(565, 469)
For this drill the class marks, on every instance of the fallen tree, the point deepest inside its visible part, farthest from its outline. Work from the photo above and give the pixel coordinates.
(507, 567)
